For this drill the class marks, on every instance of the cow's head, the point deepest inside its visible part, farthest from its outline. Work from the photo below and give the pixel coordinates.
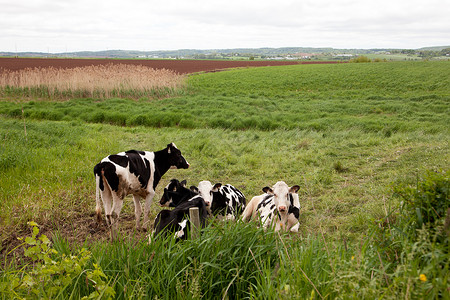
(176, 160)
(280, 192)
(206, 189)
(175, 193)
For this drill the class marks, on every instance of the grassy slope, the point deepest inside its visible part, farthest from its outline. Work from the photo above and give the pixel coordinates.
(343, 132)
(379, 122)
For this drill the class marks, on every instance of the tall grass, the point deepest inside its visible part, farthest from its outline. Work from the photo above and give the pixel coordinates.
(104, 81)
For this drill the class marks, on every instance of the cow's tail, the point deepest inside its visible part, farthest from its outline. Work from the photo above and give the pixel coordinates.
(98, 182)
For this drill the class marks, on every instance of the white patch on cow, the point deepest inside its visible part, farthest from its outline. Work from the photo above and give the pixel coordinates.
(180, 233)
(195, 197)
(150, 156)
(280, 191)
(204, 190)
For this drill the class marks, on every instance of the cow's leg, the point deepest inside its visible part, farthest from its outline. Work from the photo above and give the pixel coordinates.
(148, 203)
(107, 200)
(293, 223)
(137, 210)
(115, 213)
(98, 202)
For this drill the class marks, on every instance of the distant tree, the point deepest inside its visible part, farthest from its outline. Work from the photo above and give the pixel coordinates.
(360, 59)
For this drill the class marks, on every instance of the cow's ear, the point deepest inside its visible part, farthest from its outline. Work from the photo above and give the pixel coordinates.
(216, 187)
(294, 189)
(169, 147)
(194, 189)
(267, 190)
(183, 183)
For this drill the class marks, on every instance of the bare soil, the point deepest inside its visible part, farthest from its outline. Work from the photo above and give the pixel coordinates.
(180, 66)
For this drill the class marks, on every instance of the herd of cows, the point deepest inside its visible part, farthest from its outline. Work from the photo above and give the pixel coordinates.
(139, 172)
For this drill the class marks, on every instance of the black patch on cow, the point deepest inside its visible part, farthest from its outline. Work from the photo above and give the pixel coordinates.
(98, 171)
(164, 160)
(272, 206)
(219, 203)
(294, 210)
(120, 160)
(266, 200)
(227, 199)
(177, 192)
(135, 152)
(139, 166)
(167, 221)
(173, 185)
(108, 171)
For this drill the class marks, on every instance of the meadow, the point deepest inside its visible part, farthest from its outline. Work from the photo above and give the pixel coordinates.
(362, 141)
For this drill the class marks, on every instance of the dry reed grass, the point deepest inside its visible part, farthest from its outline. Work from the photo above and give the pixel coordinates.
(104, 81)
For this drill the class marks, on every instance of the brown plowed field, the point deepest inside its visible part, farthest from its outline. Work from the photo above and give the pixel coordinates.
(179, 66)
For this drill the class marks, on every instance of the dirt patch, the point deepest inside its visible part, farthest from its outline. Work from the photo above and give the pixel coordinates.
(80, 228)
(179, 65)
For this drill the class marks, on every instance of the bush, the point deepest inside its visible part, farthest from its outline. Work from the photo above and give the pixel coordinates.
(428, 201)
(360, 59)
(49, 276)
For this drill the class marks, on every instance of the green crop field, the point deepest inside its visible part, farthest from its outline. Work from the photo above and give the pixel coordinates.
(363, 142)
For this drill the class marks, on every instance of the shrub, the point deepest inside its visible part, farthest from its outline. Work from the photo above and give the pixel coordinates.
(49, 276)
(338, 167)
(428, 201)
(360, 59)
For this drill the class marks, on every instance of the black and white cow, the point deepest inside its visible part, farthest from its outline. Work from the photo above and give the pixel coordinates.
(176, 221)
(222, 199)
(279, 207)
(132, 172)
(175, 193)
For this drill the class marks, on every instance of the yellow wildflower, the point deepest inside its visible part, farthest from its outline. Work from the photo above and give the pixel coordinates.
(422, 277)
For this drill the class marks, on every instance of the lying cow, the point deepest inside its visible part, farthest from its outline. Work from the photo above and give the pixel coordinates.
(222, 199)
(176, 193)
(177, 220)
(132, 172)
(278, 207)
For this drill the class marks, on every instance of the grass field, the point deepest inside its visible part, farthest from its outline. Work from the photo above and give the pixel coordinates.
(348, 134)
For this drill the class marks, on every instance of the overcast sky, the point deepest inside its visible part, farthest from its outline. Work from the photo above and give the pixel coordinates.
(77, 25)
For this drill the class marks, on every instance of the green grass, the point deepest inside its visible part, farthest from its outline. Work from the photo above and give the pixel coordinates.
(385, 97)
(345, 133)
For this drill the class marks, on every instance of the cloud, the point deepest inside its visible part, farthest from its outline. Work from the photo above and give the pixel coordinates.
(57, 26)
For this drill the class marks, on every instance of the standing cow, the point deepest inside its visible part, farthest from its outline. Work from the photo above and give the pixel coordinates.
(132, 172)
(278, 207)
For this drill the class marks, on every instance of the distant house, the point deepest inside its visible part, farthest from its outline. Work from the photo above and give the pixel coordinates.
(304, 55)
(343, 55)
